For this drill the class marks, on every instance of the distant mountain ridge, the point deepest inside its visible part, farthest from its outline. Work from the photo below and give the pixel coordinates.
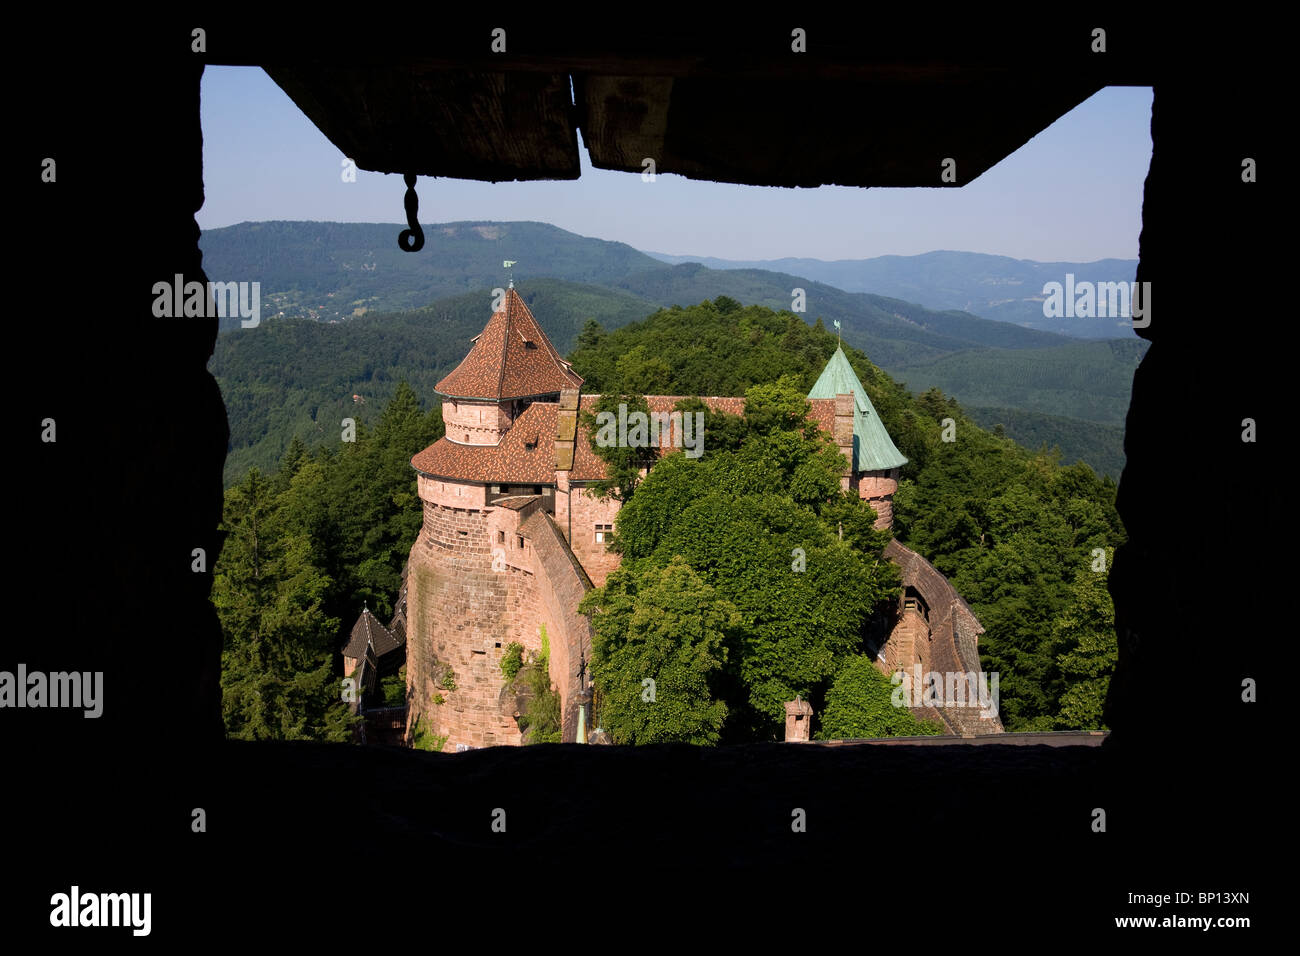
(993, 287)
(409, 315)
(335, 271)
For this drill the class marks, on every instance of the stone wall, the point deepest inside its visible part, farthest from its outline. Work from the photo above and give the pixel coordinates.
(877, 489)
(561, 585)
(472, 590)
(460, 611)
(476, 423)
(589, 511)
(453, 494)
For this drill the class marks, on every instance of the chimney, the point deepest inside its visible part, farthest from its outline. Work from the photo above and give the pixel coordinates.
(566, 429)
(798, 721)
(844, 435)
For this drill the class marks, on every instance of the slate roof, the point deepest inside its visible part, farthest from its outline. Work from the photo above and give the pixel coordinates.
(368, 632)
(511, 358)
(873, 449)
(954, 635)
(397, 626)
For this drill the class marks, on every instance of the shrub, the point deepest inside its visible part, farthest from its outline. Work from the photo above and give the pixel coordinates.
(425, 739)
(512, 660)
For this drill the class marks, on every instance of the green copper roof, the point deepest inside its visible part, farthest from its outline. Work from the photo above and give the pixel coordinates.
(873, 450)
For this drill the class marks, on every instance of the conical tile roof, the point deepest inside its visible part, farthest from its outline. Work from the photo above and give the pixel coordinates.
(511, 358)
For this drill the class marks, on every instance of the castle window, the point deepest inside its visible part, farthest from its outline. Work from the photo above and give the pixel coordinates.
(601, 531)
(501, 537)
(519, 540)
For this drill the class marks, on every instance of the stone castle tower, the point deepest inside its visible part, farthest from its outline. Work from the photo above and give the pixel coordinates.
(512, 537)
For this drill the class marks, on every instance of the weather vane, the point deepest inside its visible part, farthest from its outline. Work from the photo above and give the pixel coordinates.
(507, 264)
(837, 332)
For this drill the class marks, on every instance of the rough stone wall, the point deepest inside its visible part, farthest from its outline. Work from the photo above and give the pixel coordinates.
(908, 643)
(561, 585)
(877, 489)
(588, 511)
(475, 423)
(465, 608)
(460, 609)
(451, 494)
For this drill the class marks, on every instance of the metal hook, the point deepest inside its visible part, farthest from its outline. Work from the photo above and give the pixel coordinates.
(411, 239)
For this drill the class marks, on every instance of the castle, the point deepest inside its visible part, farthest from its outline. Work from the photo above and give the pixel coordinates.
(513, 538)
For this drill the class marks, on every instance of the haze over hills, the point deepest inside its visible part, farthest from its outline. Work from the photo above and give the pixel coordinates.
(993, 287)
(383, 314)
(333, 271)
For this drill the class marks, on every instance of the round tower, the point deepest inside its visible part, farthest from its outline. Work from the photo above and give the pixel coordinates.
(875, 463)
(470, 579)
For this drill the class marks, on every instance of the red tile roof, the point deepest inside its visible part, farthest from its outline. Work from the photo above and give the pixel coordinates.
(511, 358)
(510, 461)
(513, 461)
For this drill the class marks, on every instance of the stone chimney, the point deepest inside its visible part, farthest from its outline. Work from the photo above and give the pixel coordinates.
(844, 436)
(798, 721)
(566, 429)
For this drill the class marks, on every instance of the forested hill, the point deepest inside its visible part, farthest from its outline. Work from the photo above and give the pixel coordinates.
(334, 271)
(1016, 532)
(992, 287)
(297, 377)
(386, 315)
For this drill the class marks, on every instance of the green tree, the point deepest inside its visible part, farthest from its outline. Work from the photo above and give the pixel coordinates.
(666, 626)
(625, 455)
(1087, 649)
(277, 677)
(761, 524)
(860, 704)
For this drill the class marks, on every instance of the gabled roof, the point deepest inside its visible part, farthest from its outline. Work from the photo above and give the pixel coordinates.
(368, 632)
(511, 358)
(873, 449)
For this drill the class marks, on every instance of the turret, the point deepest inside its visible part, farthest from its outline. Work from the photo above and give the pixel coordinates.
(874, 462)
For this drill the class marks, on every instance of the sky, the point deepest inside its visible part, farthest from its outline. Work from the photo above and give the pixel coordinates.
(1073, 193)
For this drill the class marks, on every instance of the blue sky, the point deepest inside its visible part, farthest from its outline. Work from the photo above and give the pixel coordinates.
(1073, 193)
